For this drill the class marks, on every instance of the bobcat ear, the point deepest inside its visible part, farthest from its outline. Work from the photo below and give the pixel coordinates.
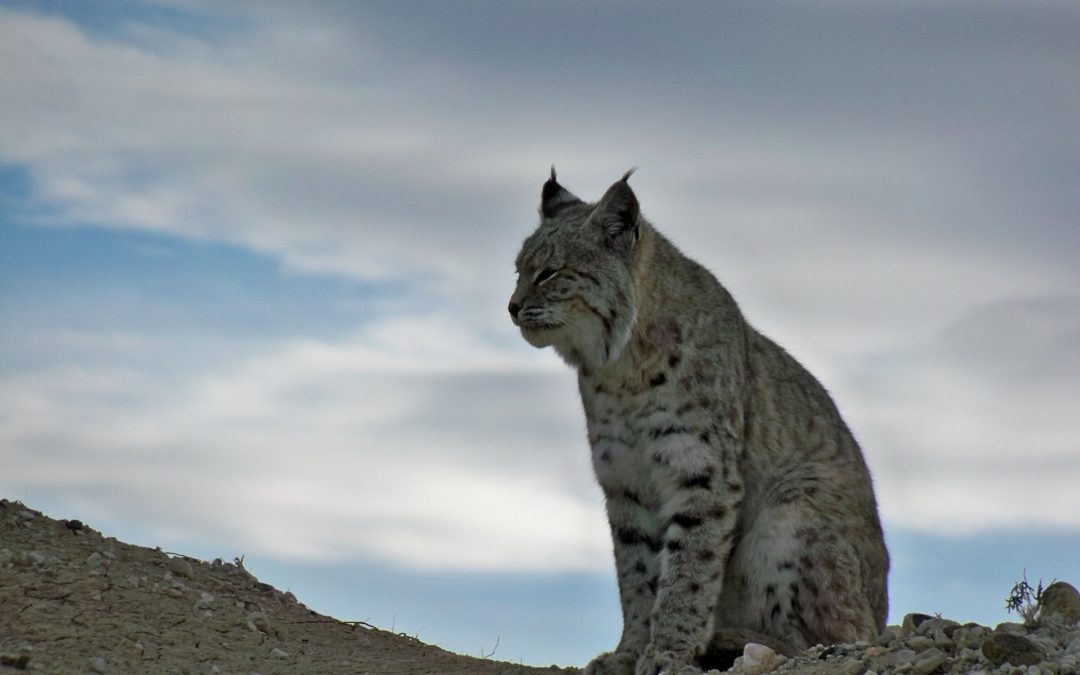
(555, 197)
(618, 212)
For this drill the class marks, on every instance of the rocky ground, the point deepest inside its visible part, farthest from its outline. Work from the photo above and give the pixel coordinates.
(929, 645)
(74, 601)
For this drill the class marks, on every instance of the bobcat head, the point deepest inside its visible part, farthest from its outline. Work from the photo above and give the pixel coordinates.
(575, 288)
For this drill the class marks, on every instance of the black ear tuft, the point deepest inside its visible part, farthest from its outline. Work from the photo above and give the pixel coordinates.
(624, 179)
(554, 197)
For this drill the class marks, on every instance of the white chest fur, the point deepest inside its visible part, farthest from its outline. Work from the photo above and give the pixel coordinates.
(628, 452)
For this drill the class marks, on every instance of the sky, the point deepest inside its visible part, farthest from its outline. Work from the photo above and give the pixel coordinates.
(255, 259)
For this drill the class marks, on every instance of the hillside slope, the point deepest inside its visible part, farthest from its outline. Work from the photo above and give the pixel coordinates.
(74, 601)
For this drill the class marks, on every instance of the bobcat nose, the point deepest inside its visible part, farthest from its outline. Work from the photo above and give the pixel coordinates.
(514, 308)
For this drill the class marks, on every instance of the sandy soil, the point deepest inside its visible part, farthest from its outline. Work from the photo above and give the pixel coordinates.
(74, 601)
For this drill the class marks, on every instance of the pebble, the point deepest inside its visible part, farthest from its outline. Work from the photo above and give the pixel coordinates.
(97, 664)
(970, 636)
(259, 622)
(920, 643)
(204, 601)
(279, 653)
(758, 659)
(93, 561)
(929, 661)
(928, 645)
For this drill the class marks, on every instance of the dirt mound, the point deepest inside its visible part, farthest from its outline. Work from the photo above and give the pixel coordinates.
(74, 601)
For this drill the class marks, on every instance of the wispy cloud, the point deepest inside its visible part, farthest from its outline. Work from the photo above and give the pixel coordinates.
(974, 428)
(406, 445)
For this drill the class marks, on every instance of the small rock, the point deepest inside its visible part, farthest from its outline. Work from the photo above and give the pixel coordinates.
(929, 661)
(5, 557)
(919, 643)
(133, 580)
(93, 561)
(934, 627)
(903, 657)
(1060, 601)
(1046, 643)
(970, 636)
(1010, 627)
(205, 601)
(890, 634)
(260, 623)
(912, 622)
(279, 653)
(840, 667)
(757, 659)
(36, 558)
(16, 661)
(1074, 647)
(181, 567)
(27, 514)
(97, 664)
(1017, 650)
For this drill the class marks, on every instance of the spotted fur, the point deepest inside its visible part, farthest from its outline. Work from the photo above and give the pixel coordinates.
(738, 499)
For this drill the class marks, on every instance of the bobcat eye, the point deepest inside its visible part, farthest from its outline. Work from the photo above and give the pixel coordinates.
(544, 275)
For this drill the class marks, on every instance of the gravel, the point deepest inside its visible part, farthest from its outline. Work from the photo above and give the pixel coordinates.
(930, 645)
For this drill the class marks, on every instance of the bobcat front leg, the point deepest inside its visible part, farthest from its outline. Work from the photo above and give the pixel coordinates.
(699, 516)
(636, 534)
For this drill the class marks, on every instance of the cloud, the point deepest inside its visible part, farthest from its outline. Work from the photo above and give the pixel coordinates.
(421, 156)
(406, 443)
(975, 427)
(876, 186)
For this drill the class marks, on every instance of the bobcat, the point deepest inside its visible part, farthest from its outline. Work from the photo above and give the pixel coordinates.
(739, 502)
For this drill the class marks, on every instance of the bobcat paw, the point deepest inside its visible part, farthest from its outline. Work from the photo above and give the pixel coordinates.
(655, 662)
(612, 663)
